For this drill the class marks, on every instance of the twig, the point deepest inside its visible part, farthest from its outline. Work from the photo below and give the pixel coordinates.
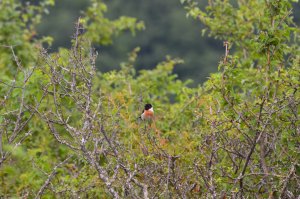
(50, 176)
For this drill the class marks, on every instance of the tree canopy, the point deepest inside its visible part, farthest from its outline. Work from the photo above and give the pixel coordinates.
(68, 129)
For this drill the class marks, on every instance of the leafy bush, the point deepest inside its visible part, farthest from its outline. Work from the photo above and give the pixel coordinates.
(78, 131)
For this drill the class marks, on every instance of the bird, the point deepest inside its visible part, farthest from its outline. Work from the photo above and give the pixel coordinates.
(148, 113)
(148, 116)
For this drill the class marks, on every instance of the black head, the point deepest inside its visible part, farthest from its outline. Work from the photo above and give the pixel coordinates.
(148, 106)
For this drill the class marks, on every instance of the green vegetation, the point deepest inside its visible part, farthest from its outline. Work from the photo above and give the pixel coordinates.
(167, 32)
(69, 130)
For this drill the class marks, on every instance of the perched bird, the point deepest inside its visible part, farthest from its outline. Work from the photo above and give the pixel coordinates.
(148, 116)
(148, 112)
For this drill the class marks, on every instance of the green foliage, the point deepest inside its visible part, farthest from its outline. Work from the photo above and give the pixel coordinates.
(69, 130)
(167, 32)
(100, 29)
(17, 28)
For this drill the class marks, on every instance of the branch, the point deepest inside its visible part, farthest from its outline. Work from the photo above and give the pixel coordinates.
(50, 176)
(286, 181)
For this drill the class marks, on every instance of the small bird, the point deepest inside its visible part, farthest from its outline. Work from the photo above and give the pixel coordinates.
(148, 112)
(148, 115)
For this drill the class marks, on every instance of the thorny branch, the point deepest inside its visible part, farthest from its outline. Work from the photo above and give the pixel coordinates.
(13, 132)
(80, 118)
(50, 177)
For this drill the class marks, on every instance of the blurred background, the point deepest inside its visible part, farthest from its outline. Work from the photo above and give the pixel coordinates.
(168, 32)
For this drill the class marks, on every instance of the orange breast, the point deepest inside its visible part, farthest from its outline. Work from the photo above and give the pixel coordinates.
(148, 114)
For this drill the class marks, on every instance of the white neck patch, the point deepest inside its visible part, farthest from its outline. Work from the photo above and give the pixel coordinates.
(151, 109)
